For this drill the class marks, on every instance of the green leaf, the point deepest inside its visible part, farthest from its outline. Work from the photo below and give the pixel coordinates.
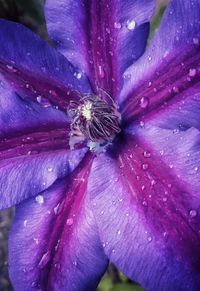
(105, 284)
(126, 287)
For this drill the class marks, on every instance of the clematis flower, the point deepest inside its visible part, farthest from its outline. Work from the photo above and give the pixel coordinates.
(99, 145)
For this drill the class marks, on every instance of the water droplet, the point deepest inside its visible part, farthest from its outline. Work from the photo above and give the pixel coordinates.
(50, 169)
(149, 58)
(101, 72)
(78, 75)
(144, 203)
(164, 199)
(193, 213)
(195, 41)
(36, 240)
(147, 154)
(149, 238)
(119, 232)
(56, 209)
(196, 169)
(176, 131)
(34, 284)
(145, 167)
(164, 233)
(131, 24)
(70, 221)
(117, 25)
(39, 99)
(11, 68)
(175, 89)
(192, 72)
(44, 260)
(142, 124)
(144, 102)
(39, 199)
(25, 223)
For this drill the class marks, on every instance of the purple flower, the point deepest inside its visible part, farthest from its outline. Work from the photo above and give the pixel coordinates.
(102, 156)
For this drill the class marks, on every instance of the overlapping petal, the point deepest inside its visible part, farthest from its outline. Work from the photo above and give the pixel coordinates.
(170, 63)
(35, 69)
(19, 116)
(102, 37)
(34, 147)
(147, 208)
(54, 243)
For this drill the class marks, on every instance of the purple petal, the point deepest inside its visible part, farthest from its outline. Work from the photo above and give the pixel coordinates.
(172, 85)
(27, 175)
(148, 211)
(20, 117)
(177, 36)
(101, 38)
(35, 69)
(54, 243)
(34, 147)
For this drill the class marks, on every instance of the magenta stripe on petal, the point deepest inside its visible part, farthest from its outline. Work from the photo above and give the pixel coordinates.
(36, 69)
(147, 216)
(60, 239)
(101, 37)
(176, 77)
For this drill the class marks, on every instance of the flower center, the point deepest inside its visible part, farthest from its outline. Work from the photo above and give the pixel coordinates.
(93, 119)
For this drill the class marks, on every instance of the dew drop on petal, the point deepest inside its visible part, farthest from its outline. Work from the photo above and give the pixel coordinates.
(195, 41)
(44, 260)
(164, 199)
(119, 232)
(25, 223)
(149, 238)
(101, 72)
(36, 240)
(39, 199)
(78, 75)
(70, 221)
(56, 209)
(144, 203)
(145, 167)
(147, 154)
(39, 99)
(50, 169)
(193, 213)
(144, 102)
(142, 124)
(192, 72)
(131, 24)
(117, 25)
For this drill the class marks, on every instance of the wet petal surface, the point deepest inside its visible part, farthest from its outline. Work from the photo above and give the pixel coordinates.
(59, 231)
(35, 69)
(146, 204)
(170, 63)
(102, 37)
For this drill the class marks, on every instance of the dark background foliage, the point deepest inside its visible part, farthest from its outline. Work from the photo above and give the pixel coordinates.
(30, 13)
